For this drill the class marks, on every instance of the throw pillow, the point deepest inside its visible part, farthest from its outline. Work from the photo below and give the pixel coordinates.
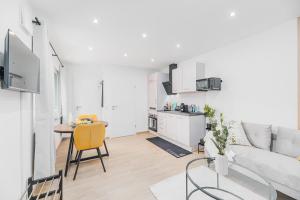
(298, 158)
(288, 142)
(259, 135)
(237, 135)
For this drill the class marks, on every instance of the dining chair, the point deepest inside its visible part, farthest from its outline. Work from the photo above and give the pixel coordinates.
(88, 137)
(92, 117)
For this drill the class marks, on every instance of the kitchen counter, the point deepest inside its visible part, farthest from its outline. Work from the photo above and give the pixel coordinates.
(181, 113)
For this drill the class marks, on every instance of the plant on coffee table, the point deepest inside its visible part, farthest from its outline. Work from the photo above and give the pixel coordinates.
(220, 132)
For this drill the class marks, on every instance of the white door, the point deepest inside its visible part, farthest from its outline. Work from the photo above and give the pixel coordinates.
(119, 103)
(86, 92)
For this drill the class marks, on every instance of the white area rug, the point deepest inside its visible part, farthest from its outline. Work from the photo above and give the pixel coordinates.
(173, 188)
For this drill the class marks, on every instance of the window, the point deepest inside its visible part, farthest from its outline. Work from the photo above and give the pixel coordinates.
(57, 94)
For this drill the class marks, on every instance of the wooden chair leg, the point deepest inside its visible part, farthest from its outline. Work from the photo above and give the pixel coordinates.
(100, 156)
(78, 161)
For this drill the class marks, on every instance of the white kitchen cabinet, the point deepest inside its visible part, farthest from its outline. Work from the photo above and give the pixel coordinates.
(161, 123)
(188, 78)
(156, 91)
(172, 126)
(152, 94)
(176, 80)
(185, 131)
(189, 73)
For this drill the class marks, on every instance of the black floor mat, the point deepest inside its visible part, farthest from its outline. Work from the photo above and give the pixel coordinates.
(169, 147)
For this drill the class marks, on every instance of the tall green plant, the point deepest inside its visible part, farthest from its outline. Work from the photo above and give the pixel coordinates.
(220, 133)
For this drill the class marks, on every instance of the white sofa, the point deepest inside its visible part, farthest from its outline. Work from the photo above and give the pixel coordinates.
(278, 163)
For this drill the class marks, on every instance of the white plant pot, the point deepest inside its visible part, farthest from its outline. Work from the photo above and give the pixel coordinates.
(221, 165)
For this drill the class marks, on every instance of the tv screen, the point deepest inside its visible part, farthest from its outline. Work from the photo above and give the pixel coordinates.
(21, 66)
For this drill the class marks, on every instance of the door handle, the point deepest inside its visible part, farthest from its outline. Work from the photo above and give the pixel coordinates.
(78, 108)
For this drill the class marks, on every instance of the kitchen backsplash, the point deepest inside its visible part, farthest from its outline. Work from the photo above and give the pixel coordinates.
(197, 99)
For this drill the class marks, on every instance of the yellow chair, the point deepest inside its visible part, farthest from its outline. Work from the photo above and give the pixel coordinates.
(87, 137)
(92, 117)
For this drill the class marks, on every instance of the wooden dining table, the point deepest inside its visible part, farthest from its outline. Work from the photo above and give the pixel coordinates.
(68, 129)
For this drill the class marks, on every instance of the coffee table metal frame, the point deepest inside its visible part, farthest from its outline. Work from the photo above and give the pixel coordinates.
(205, 189)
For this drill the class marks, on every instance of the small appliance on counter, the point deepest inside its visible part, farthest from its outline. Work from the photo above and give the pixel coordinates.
(184, 107)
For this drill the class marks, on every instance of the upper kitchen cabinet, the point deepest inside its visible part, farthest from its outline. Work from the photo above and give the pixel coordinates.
(156, 92)
(176, 80)
(189, 72)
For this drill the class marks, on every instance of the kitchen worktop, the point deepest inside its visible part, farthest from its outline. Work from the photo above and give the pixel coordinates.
(181, 113)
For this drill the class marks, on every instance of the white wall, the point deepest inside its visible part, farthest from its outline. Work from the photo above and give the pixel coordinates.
(84, 91)
(259, 77)
(15, 117)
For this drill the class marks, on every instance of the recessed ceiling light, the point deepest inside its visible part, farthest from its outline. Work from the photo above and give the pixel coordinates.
(232, 14)
(95, 21)
(152, 60)
(125, 55)
(178, 46)
(144, 35)
(90, 48)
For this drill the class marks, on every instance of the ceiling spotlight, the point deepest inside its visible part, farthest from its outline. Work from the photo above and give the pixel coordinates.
(90, 48)
(232, 14)
(178, 46)
(125, 55)
(144, 35)
(95, 21)
(152, 60)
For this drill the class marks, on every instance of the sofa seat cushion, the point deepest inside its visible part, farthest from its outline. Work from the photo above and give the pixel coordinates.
(276, 167)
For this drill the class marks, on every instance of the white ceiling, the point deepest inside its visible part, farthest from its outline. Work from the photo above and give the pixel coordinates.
(197, 25)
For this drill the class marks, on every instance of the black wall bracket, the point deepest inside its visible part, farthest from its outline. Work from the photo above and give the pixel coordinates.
(36, 21)
(1, 66)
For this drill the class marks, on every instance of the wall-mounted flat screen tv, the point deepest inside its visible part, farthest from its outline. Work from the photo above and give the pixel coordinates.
(21, 66)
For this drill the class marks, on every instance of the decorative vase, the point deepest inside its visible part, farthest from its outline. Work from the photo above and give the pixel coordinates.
(221, 165)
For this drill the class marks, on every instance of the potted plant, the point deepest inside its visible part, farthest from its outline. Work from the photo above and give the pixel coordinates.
(209, 112)
(220, 132)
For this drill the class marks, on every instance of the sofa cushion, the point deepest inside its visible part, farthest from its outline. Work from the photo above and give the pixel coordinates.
(237, 135)
(278, 168)
(259, 135)
(288, 142)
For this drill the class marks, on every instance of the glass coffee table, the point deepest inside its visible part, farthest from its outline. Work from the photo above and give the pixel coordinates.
(202, 182)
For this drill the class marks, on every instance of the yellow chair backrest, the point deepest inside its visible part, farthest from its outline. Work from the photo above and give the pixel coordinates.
(89, 136)
(93, 117)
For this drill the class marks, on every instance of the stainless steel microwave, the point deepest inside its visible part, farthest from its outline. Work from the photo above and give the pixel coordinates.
(206, 84)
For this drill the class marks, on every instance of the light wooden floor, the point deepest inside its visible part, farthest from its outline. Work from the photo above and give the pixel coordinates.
(134, 165)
